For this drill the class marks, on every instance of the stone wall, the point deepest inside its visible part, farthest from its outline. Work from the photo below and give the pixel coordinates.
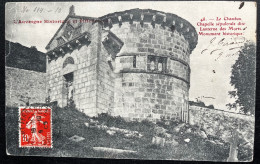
(85, 75)
(221, 123)
(157, 41)
(150, 96)
(106, 84)
(22, 84)
(151, 91)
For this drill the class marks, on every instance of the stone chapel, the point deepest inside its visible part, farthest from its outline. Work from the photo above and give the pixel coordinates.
(133, 63)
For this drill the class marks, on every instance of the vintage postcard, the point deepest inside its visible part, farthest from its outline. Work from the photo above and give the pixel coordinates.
(152, 80)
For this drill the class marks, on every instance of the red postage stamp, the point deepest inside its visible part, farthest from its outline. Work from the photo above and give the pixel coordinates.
(35, 127)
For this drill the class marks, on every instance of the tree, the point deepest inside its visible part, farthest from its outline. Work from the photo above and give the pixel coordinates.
(243, 78)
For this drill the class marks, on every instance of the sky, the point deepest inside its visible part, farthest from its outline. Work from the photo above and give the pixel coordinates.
(210, 74)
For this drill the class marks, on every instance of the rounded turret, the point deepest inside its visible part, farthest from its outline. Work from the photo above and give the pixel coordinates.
(153, 65)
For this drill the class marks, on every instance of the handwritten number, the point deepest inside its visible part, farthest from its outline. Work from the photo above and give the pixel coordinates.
(38, 9)
(25, 9)
(58, 10)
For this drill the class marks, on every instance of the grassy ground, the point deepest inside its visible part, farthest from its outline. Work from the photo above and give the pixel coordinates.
(69, 122)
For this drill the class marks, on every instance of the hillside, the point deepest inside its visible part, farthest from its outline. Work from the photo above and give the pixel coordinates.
(77, 135)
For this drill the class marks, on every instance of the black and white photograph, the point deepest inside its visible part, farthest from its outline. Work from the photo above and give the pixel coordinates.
(146, 80)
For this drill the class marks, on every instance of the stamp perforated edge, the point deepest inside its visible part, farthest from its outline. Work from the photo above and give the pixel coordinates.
(19, 127)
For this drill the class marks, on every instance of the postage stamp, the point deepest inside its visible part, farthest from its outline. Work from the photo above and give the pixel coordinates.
(35, 127)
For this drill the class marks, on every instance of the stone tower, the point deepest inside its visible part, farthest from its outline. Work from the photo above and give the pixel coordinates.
(133, 63)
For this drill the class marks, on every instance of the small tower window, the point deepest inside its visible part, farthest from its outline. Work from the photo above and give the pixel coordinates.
(160, 67)
(162, 64)
(156, 63)
(152, 66)
(151, 63)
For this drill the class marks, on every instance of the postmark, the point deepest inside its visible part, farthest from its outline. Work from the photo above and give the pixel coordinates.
(35, 127)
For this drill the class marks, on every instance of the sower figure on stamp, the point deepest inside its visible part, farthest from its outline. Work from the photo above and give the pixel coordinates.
(32, 124)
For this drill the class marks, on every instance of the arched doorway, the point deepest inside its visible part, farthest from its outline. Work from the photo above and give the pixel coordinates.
(68, 79)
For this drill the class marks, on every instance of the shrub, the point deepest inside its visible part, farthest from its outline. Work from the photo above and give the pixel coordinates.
(245, 153)
(211, 107)
(105, 118)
